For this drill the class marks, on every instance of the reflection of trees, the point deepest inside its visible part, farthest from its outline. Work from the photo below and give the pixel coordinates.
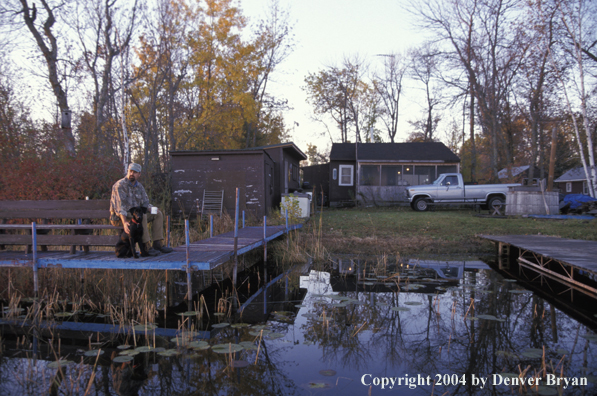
(428, 340)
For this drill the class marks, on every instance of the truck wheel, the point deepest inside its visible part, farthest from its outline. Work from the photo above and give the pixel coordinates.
(421, 205)
(496, 203)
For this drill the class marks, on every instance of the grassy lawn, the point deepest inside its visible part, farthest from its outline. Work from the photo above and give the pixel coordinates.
(444, 231)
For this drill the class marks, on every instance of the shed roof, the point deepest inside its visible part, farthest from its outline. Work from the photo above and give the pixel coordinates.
(416, 151)
(574, 174)
(250, 150)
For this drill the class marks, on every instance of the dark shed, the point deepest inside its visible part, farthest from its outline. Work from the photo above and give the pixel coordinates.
(254, 171)
(287, 157)
(377, 173)
(318, 178)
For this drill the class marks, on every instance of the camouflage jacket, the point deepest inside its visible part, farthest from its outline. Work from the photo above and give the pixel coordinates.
(126, 196)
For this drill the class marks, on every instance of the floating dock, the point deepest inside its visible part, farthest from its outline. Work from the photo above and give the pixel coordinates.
(569, 261)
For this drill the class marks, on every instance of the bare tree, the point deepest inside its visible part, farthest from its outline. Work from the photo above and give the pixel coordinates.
(41, 25)
(425, 65)
(389, 87)
(105, 30)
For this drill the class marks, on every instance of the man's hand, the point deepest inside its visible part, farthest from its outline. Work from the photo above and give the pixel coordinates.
(126, 224)
(127, 227)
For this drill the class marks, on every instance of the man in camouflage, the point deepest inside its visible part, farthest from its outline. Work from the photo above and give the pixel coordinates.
(128, 193)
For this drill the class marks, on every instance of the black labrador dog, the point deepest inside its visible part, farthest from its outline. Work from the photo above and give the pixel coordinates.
(126, 246)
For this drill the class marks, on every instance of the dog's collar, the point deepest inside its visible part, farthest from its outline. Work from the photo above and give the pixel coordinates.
(133, 220)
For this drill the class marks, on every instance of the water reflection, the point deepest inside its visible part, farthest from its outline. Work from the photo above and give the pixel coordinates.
(357, 326)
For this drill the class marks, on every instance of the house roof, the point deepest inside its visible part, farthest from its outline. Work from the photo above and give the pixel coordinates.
(250, 150)
(516, 170)
(575, 174)
(419, 151)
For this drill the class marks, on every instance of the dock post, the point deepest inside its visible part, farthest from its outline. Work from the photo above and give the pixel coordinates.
(168, 231)
(243, 219)
(286, 287)
(264, 239)
(34, 251)
(265, 249)
(211, 226)
(189, 283)
(235, 241)
(287, 233)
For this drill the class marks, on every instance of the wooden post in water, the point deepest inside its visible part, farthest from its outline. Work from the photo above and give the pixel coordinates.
(235, 241)
(34, 251)
(211, 226)
(243, 219)
(189, 283)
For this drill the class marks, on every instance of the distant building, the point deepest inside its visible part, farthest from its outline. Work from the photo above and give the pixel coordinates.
(378, 173)
(261, 173)
(574, 181)
(518, 174)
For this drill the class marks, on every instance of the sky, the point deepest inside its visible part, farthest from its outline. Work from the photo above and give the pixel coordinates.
(325, 32)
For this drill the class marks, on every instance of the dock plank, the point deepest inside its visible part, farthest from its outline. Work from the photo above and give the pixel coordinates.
(574, 252)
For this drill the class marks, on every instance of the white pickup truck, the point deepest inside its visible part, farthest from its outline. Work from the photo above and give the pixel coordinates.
(449, 188)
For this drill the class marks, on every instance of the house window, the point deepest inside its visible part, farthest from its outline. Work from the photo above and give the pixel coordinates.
(424, 174)
(369, 175)
(346, 175)
(335, 174)
(446, 169)
(408, 175)
(585, 188)
(568, 187)
(391, 175)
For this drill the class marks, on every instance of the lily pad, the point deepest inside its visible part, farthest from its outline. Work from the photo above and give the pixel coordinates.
(189, 313)
(144, 349)
(227, 348)
(94, 352)
(123, 346)
(487, 317)
(413, 303)
(197, 344)
(400, 309)
(239, 325)
(218, 314)
(60, 363)
(274, 336)
(318, 385)
(260, 327)
(148, 327)
(169, 352)
(122, 359)
(220, 325)
(327, 373)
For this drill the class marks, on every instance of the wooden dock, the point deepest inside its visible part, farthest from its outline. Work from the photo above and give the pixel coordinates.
(570, 261)
(203, 255)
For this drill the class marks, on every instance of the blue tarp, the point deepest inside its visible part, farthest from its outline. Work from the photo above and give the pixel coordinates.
(576, 200)
(563, 217)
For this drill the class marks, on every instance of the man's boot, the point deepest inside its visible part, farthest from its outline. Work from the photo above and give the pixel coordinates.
(157, 245)
(149, 251)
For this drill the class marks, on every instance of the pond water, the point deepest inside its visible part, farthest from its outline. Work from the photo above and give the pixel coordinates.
(440, 328)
